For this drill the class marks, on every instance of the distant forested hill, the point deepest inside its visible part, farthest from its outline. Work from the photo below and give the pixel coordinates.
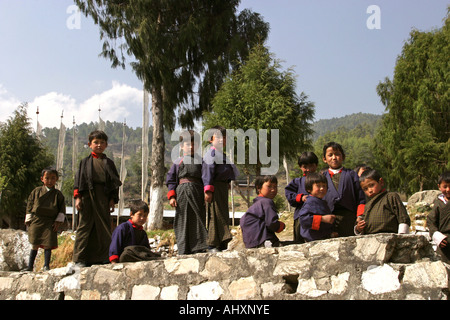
(349, 122)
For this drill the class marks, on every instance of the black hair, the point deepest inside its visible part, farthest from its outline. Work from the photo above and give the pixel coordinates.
(314, 177)
(189, 135)
(50, 170)
(137, 205)
(334, 146)
(444, 177)
(307, 157)
(214, 130)
(98, 134)
(370, 174)
(260, 180)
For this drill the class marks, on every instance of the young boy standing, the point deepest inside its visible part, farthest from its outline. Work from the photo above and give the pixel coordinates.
(216, 176)
(96, 190)
(384, 212)
(316, 220)
(260, 222)
(129, 240)
(344, 197)
(438, 221)
(45, 213)
(295, 191)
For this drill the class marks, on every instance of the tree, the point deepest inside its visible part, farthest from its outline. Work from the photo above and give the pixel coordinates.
(182, 51)
(22, 158)
(412, 144)
(259, 95)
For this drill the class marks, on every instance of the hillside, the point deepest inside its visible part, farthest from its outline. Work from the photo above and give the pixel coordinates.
(321, 127)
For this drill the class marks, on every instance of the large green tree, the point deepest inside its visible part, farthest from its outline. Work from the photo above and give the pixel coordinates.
(182, 49)
(259, 95)
(412, 147)
(22, 158)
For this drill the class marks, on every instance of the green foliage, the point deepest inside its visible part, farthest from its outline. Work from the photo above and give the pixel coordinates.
(412, 145)
(184, 47)
(22, 158)
(260, 96)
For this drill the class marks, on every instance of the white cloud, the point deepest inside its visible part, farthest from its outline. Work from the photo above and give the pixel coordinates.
(116, 104)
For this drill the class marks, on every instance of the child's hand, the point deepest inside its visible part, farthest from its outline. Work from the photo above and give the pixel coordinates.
(173, 202)
(329, 218)
(360, 225)
(56, 225)
(78, 204)
(443, 243)
(304, 198)
(208, 196)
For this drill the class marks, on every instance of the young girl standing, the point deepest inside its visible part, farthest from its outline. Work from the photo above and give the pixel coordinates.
(345, 197)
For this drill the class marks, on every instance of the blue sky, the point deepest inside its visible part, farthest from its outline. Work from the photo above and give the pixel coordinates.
(337, 59)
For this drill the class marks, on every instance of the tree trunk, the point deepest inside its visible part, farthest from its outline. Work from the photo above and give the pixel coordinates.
(155, 217)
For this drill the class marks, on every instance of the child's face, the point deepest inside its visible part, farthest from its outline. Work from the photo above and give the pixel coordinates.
(49, 179)
(269, 190)
(372, 187)
(319, 190)
(139, 218)
(218, 141)
(444, 187)
(334, 158)
(98, 145)
(308, 168)
(188, 148)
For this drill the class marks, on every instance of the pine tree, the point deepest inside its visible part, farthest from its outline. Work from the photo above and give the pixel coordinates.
(259, 95)
(22, 158)
(182, 49)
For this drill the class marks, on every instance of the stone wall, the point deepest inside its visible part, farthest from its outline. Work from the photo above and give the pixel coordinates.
(383, 266)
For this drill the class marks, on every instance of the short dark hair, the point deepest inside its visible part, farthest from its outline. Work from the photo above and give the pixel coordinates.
(444, 177)
(308, 157)
(214, 130)
(189, 135)
(137, 205)
(260, 180)
(334, 146)
(370, 174)
(98, 134)
(50, 170)
(314, 177)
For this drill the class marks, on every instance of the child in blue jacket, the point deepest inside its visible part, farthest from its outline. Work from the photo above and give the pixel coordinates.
(316, 220)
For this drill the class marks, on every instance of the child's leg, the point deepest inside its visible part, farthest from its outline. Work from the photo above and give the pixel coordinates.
(33, 254)
(47, 256)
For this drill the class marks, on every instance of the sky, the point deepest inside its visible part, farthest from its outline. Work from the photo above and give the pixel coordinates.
(339, 52)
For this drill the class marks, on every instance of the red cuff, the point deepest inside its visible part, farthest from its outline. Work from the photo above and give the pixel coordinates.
(298, 198)
(282, 226)
(316, 222)
(171, 194)
(209, 188)
(76, 193)
(360, 210)
(113, 257)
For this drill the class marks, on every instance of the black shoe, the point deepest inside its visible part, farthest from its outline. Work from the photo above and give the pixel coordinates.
(27, 269)
(45, 268)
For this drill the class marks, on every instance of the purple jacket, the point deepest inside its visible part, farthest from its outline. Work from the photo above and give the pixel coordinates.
(215, 167)
(123, 236)
(294, 192)
(349, 194)
(260, 222)
(311, 227)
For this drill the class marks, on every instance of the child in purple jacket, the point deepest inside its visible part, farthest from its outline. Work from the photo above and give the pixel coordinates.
(316, 220)
(260, 222)
(295, 191)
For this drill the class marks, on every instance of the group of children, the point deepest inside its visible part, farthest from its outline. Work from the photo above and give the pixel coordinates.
(327, 204)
